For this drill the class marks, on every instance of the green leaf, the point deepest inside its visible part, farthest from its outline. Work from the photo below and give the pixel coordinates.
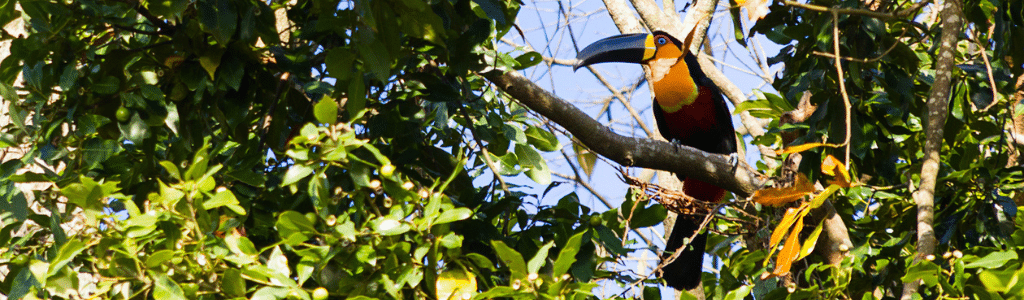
(67, 79)
(356, 96)
(389, 226)
(425, 25)
(542, 139)
(375, 56)
(737, 25)
(567, 256)
(452, 215)
(642, 216)
(505, 164)
(225, 198)
(211, 60)
(167, 9)
(992, 260)
(278, 262)
(231, 71)
(537, 168)
(326, 111)
(514, 133)
(157, 258)
(67, 253)
(539, 259)
(998, 280)
(232, 284)
(294, 228)
(924, 270)
(151, 92)
(108, 85)
(586, 158)
(304, 269)
(528, 59)
(511, 258)
(489, 9)
(339, 63)
(295, 173)
(740, 293)
(270, 293)
(136, 130)
(165, 288)
(219, 19)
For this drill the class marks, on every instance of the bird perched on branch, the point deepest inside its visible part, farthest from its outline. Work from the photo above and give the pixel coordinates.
(691, 111)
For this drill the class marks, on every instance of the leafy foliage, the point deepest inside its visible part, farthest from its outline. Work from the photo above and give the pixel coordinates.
(261, 149)
(250, 149)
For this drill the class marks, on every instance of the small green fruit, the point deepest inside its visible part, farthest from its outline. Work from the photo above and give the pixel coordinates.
(320, 293)
(20, 260)
(387, 170)
(595, 220)
(123, 114)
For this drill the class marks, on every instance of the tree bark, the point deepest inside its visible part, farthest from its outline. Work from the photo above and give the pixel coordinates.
(938, 109)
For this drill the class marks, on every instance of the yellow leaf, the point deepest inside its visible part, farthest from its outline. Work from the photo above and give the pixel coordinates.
(790, 251)
(811, 241)
(802, 148)
(787, 221)
(829, 166)
(820, 198)
(455, 283)
(779, 196)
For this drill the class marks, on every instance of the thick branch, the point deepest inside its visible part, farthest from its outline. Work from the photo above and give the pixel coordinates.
(623, 16)
(938, 102)
(741, 179)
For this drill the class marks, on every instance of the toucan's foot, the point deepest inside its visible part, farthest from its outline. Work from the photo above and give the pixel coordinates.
(734, 160)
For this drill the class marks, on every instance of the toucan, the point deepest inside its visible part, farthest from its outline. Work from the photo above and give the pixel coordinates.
(691, 111)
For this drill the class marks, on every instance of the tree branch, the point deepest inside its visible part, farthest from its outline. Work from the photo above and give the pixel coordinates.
(742, 179)
(938, 102)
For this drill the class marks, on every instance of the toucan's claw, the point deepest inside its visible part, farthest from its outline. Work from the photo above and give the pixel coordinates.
(734, 160)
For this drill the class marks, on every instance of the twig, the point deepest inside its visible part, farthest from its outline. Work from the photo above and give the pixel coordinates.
(912, 9)
(844, 11)
(165, 28)
(139, 31)
(991, 79)
(622, 99)
(842, 83)
(483, 149)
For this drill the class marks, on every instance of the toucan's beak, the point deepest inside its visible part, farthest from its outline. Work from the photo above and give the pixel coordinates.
(627, 48)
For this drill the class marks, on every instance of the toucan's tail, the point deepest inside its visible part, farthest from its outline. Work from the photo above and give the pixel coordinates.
(684, 273)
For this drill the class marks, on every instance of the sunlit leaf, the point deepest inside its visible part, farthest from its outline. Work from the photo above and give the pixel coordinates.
(802, 148)
(790, 251)
(454, 283)
(778, 196)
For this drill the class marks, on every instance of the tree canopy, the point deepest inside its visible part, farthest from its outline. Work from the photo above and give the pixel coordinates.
(313, 149)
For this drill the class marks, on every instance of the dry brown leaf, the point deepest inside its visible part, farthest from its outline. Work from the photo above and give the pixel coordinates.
(756, 9)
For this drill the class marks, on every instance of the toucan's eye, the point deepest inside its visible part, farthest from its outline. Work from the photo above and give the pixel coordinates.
(662, 40)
